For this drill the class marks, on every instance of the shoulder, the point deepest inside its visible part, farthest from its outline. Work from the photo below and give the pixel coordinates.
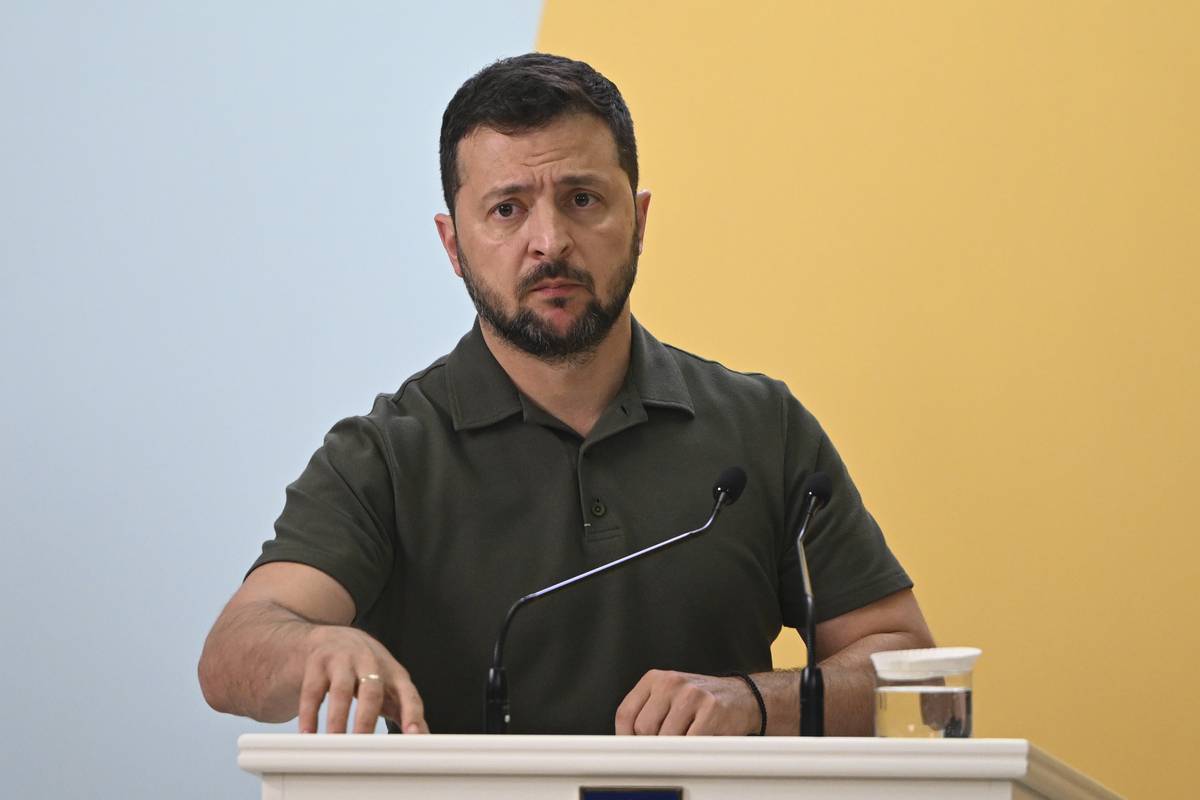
(396, 415)
(710, 378)
(755, 401)
(417, 393)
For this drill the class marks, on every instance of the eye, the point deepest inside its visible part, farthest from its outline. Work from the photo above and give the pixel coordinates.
(583, 199)
(505, 210)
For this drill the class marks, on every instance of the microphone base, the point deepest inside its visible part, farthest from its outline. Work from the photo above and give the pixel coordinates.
(812, 702)
(495, 714)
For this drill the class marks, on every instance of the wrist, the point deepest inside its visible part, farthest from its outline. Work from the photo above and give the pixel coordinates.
(781, 694)
(757, 707)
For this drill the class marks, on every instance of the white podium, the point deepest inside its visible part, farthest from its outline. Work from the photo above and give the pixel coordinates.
(437, 767)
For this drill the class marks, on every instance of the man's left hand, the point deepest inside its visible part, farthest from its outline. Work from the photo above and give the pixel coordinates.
(680, 703)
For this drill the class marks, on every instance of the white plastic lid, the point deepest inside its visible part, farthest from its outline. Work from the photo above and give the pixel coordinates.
(919, 665)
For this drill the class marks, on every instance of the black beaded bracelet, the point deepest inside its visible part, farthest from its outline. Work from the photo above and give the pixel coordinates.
(762, 707)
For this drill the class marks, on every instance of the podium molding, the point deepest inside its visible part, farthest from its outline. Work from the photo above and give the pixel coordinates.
(305, 767)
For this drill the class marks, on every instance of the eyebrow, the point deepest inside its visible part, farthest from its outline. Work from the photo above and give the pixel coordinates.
(573, 179)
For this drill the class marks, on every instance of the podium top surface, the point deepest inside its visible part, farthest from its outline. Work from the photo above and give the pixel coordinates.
(663, 757)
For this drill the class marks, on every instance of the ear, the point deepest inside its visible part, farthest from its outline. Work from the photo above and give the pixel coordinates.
(449, 236)
(641, 207)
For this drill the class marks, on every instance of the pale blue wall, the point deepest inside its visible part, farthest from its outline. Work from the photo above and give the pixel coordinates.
(215, 240)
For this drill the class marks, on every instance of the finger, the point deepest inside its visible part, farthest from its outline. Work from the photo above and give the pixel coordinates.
(681, 713)
(341, 691)
(369, 699)
(312, 692)
(412, 709)
(650, 719)
(706, 719)
(631, 706)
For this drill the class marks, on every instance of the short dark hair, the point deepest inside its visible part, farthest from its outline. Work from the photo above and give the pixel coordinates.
(524, 93)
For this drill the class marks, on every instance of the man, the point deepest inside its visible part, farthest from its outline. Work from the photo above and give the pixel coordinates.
(557, 436)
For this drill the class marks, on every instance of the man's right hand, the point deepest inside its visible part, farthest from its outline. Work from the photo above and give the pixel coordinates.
(344, 663)
(283, 644)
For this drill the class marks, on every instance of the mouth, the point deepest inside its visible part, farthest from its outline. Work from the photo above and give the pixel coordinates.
(554, 288)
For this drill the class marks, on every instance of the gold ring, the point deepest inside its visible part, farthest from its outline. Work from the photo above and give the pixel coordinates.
(371, 677)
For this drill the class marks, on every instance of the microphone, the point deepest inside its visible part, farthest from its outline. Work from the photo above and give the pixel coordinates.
(726, 491)
(731, 483)
(816, 490)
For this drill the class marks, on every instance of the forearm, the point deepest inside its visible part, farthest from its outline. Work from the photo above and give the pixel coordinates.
(849, 688)
(850, 682)
(253, 662)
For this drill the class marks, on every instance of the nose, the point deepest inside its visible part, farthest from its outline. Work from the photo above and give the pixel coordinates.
(549, 234)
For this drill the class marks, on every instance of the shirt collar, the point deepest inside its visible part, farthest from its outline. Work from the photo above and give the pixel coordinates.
(655, 375)
(482, 394)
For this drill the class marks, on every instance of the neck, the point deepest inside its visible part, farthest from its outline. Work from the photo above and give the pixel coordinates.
(575, 390)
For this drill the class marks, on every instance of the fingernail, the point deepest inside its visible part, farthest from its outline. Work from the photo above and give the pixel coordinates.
(412, 728)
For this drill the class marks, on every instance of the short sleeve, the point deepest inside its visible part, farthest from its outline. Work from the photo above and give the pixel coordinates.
(339, 515)
(849, 562)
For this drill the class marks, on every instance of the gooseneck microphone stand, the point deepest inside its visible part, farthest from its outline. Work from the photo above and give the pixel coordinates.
(815, 490)
(726, 491)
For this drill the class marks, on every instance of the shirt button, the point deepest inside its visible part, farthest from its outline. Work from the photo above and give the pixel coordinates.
(598, 508)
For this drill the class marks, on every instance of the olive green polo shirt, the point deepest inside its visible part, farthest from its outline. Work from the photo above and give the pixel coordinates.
(456, 495)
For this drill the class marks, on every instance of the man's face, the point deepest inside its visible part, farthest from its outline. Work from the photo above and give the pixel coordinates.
(546, 234)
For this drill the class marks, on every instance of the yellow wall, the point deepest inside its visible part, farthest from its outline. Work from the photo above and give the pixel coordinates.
(968, 236)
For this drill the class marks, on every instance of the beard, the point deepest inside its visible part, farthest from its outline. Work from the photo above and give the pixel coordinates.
(528, 332)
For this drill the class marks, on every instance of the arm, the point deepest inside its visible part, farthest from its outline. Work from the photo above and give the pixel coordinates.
(673, 703)
(283, 643)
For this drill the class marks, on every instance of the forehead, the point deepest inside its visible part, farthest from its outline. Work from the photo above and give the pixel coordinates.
(572, 142)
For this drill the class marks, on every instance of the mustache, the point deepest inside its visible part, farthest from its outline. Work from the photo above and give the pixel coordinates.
(548, 270)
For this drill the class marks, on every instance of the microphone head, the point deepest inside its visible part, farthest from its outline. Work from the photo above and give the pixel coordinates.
(731, 482)
(819, 486)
